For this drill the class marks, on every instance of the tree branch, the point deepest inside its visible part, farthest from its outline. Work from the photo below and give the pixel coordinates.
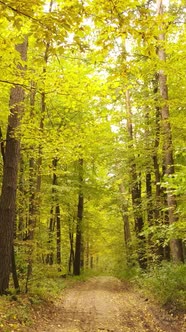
(20, 12)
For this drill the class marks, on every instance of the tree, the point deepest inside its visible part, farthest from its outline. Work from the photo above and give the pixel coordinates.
(175, 244)
(10, 174)
(97, 96)
(80, 206)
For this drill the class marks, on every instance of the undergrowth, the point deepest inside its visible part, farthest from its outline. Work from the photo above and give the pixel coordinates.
(165, 283)
(17, 311)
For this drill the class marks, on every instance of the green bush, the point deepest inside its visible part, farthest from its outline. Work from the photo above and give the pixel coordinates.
(167, 284)
(127, 273)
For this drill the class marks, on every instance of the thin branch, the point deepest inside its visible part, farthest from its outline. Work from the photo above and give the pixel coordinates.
(20, 12)
(15, 83)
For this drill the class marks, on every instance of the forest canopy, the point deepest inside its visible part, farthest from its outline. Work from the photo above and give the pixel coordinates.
(92, 128)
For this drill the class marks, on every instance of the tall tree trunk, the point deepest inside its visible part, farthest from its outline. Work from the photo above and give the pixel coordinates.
(175, 244)
(78, 245)
(32, 200)
(54, 220)
(58, 234)
(35, 190)
(10, 174)
(155, 153)
(159, 216)
(50, 255)
(71, 256)
(136, 192)
(87, 255)
(43, 113)
(151, 206)
(21, 226)
(148, 180)
(148, 184)
(126, 225)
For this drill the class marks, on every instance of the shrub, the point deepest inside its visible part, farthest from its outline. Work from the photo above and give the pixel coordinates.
(167, 284)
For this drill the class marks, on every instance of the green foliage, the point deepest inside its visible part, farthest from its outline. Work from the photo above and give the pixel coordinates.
(166, 284)
(46, 283)
(127, 273)
(46, 289)
(82, 58)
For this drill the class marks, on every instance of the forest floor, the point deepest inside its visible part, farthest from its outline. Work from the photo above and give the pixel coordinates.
(105, 304)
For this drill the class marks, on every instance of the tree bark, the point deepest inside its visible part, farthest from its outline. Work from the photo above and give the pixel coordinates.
(78, 245)
(136, 192)
(10, 175)
(32, 200)
(126, 225)
(58, 234)
(50, 255)
(43, 112)
(175, 244)
(21, 226)
(160, 216)
(54, 220)
(71, 256)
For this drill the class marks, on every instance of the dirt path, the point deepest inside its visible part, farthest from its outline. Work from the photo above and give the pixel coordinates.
(105, 304)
